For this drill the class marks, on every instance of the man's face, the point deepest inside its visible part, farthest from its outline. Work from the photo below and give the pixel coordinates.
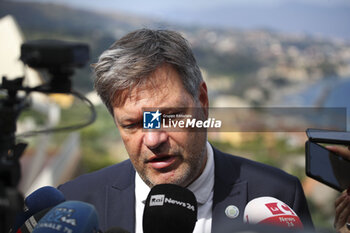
(162, 156)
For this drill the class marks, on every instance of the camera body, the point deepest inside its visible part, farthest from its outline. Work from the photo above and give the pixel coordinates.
(54, 53)
(58, 58)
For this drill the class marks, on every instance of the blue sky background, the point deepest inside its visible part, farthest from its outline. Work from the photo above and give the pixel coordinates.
(327, 18)
(152, 6)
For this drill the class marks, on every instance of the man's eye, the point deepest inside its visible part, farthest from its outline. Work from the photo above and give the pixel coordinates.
(131, 126)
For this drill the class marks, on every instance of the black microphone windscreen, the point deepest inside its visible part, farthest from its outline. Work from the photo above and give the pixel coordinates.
(169, 208)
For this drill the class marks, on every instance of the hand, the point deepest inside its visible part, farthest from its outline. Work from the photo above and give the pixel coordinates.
(342, 212)
(344, 229)
(340, 150)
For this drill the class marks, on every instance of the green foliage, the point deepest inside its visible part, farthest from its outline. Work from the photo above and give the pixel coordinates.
(39, 118)
(269, 153)
(95, 137)
(323, 221)
(94, 141)
(95, 158)
(223, 145)
(104, 126)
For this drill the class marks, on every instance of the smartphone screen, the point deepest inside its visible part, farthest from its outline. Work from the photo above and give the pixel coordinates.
(327, 167)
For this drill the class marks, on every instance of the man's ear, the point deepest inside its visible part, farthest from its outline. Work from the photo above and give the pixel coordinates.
(203, 97)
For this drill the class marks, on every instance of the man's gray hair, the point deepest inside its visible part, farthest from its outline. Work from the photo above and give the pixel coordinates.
(133, 58)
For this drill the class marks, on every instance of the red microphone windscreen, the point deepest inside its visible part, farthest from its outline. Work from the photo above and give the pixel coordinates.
(269, 210)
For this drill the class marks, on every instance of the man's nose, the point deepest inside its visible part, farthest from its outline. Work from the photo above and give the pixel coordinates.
(154, 139)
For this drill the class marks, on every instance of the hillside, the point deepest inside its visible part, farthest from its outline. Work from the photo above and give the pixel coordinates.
(251, 64)
(51, 21)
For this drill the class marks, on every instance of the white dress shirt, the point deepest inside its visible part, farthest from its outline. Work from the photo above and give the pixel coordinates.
(202, 187)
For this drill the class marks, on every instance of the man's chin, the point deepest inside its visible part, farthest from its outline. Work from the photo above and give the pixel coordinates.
(167, 179)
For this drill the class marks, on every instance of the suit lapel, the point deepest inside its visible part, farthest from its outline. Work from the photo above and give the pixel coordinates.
(229, 190)
(120, 202)
(230, 194)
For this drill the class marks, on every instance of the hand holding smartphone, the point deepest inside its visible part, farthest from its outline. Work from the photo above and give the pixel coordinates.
(324, 165)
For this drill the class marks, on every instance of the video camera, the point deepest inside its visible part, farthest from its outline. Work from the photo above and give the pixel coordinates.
(58, 58)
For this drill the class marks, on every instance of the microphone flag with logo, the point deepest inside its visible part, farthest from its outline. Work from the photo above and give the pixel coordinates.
(169, 208)
(269, 210)
(69, 216)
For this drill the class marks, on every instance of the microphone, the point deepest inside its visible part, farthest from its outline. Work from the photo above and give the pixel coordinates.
(269, 210)
(31, 222)
(69, 216)
(169, 208)
(116, 230)
(38, 200)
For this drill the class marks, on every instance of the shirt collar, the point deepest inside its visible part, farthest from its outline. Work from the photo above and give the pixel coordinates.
(141, 189)
(201, 187)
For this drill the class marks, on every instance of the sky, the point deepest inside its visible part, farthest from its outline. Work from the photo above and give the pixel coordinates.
(154, 6)
(327, 18)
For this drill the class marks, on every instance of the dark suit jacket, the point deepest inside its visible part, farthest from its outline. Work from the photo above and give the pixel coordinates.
(237, 181)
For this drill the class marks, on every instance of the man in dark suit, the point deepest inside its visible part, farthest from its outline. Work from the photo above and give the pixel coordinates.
(156, 69)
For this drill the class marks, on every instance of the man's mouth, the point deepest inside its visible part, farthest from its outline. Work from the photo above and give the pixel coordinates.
(162, 162)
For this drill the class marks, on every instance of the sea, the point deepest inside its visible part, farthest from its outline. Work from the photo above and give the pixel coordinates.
(326, 93)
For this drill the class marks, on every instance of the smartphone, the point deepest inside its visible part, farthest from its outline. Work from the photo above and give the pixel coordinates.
(327, 167)
(328, 136)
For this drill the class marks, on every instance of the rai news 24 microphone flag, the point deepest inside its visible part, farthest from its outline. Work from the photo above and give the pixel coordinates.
(169, 208)
(69, 217)
(269, 210)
